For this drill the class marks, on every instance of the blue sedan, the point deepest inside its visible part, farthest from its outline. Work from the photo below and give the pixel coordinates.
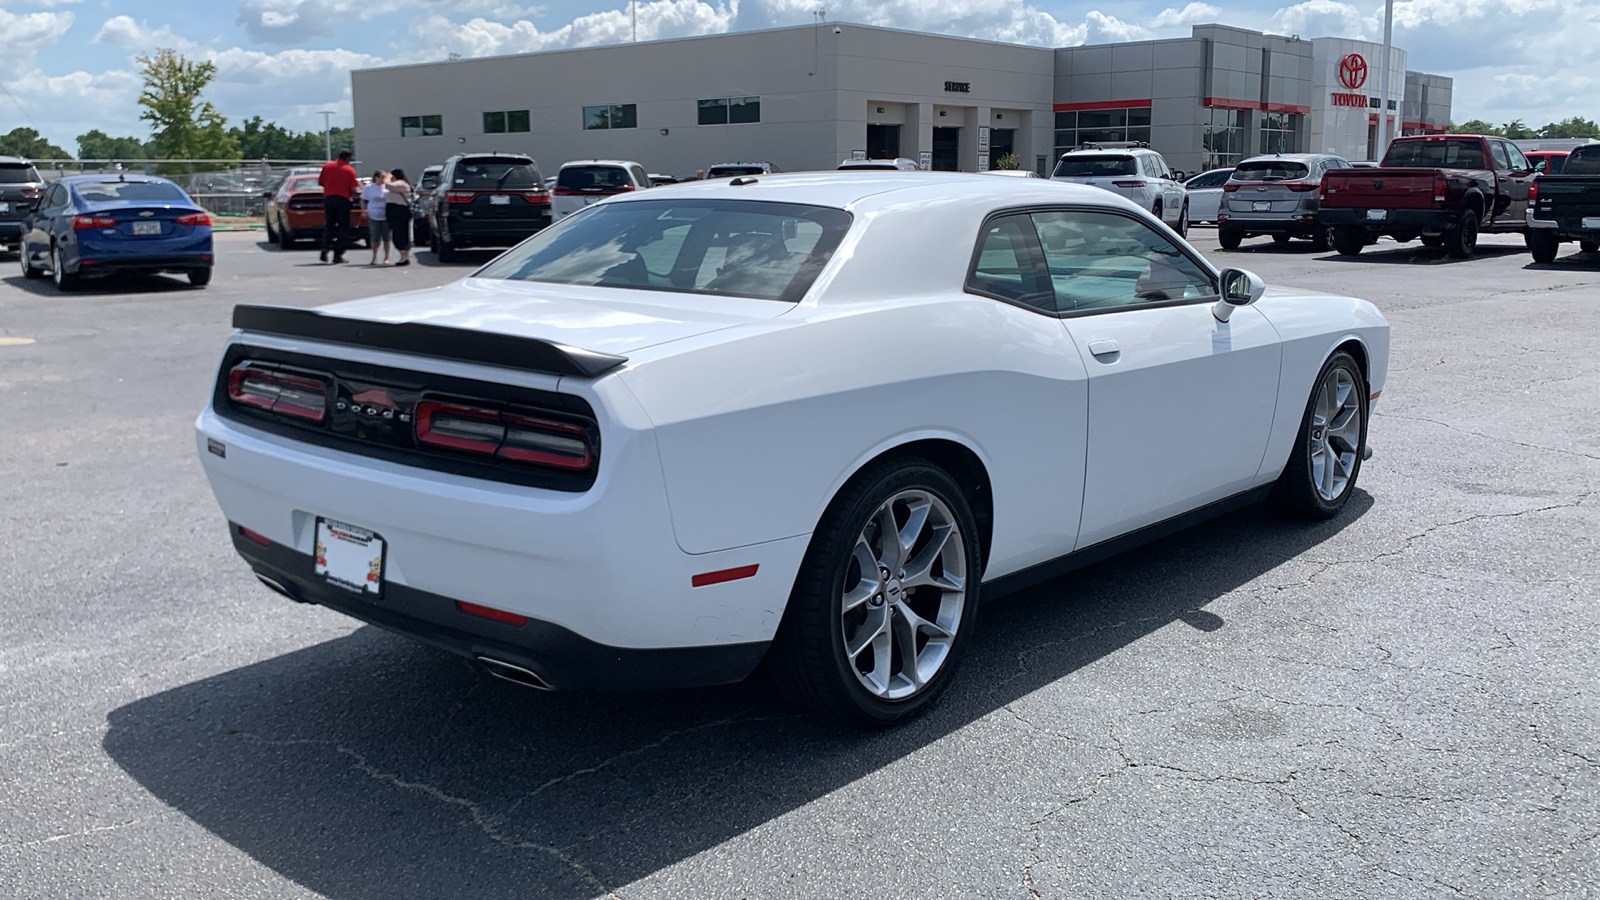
(92, 225)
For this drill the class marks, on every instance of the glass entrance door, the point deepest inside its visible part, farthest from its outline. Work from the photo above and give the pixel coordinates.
(947, 149)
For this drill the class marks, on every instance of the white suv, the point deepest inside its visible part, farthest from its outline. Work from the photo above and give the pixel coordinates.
(581, 183)
(900, 164)
(1134, 171)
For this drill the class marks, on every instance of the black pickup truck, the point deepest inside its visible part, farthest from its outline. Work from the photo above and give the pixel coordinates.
(1566, 207)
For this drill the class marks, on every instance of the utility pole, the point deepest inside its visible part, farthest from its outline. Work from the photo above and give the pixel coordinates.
(327, 133)
(1383, 79)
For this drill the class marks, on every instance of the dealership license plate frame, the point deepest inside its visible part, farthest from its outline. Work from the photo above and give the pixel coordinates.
(1377, 215)
(1261, 206)
(146, 229)
(499, 199)
(351, 558)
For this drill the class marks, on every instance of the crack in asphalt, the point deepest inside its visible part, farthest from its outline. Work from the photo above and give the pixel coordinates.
(98, 829)
(1556, 860)
(1487, 437)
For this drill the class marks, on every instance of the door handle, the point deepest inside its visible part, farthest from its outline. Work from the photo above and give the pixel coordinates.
(1102, 349)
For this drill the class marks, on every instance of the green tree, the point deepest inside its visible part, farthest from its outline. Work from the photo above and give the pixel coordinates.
(1517, 131)
(30, 143)
(1476, 126)
(96, 144)
(1574, 127)
(182, 126)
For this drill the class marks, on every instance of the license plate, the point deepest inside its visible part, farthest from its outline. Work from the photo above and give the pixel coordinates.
(1262, 206)
(499, 200)
(1591, 222)
(1377, 215)
(147, 228)
(349, 557)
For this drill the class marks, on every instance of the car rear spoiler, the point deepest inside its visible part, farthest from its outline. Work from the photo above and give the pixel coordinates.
(421, 339)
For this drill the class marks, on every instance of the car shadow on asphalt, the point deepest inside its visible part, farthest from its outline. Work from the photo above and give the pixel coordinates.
(110, 285)
(371, 767)
(1415, 253)
(465, 259)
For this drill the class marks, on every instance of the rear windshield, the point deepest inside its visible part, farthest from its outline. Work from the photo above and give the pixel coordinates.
(871, 166)
(497, 173)
(741, 248)
(108, 191)
(1583, 161)
(430, 181)
(1270, 170)
(1462, 154)
(18, 175)
(592, 178)
(305, 184)
(734, 171)
(1091, 165)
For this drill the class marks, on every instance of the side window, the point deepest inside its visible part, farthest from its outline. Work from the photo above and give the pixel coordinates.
(1518, 161)
(1104, 261)
(1006, 264)
(1501, 160)
(639, 177)
(57, 196)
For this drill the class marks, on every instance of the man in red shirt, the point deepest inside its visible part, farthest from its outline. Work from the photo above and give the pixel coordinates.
(339, 185)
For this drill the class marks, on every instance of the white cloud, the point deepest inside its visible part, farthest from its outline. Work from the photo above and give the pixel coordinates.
(294, 21)
(125, 32)
(25, 34)
(1192, 14)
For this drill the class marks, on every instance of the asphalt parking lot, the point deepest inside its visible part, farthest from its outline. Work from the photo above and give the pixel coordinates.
(1403, 702)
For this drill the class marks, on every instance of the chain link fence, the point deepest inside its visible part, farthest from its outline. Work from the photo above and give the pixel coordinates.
(224, 187)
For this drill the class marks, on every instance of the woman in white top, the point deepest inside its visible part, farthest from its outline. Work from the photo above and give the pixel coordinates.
(398, 194)
(377, 221)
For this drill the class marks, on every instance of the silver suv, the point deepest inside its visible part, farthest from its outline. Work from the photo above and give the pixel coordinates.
(1134, 171)
(20, 190)
(1276, 195)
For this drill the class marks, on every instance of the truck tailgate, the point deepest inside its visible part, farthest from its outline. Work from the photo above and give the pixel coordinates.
(1379, 188)
(1568, 199)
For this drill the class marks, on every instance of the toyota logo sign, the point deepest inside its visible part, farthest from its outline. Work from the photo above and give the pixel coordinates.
(1353, 71)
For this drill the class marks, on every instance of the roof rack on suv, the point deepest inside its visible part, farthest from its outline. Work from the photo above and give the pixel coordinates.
(1113, 145)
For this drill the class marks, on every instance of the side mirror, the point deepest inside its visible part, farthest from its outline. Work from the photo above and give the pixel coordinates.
(1239, 288)
(1178, 175)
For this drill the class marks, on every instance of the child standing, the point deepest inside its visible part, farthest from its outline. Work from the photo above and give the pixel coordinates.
(377, 222)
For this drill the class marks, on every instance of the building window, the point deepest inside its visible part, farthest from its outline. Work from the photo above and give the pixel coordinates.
(421, 126)
(1092, 126)
(511, 120)
(1280, 133)
(615, 115)
(730, 110)
(1223, 144)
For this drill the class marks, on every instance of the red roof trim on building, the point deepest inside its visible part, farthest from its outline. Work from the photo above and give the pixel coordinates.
(1227, 103)
(1100, 104)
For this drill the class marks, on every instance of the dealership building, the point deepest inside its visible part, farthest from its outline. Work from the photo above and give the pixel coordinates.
(808, 97)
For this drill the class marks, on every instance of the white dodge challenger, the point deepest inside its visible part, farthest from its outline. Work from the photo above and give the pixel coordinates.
(806, 419)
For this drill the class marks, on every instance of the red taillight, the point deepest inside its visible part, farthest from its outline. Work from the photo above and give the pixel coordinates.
(536, 196)
(459, 196)
(255, 536)
(1299, 187)
(489, 612)
(1229, 188)
(1439, 187)
(560, 191)
(81, 222)
(199, 218)
(1533, 190)
(32, 193)
(1128, 183)
(301, 396)
(504, 435)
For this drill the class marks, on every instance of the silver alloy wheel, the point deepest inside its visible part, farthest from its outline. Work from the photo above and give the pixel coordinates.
(1335, 434)
(57, 268)
(903, 594)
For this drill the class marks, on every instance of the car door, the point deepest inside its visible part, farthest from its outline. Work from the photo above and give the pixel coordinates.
(1172, 191)
(1520, 178)
(36, 240)
(1180, 404)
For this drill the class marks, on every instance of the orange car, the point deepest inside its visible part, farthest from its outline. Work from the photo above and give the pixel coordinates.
(294, 213)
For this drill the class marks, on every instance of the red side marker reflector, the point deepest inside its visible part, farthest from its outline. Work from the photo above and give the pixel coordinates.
(256, 536)
(718, 577)
(1374, 395)
(489, 612)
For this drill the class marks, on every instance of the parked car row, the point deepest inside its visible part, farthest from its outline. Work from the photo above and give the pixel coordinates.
(88, 226)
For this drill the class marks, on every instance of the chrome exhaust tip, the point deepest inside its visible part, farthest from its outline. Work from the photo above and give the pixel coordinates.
(513, 673)
(278, 588)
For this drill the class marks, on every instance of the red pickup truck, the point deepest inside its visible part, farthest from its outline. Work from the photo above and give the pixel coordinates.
(1443, 188)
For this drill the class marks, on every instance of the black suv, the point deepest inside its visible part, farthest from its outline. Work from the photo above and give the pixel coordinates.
(486, 200)
(20, 190)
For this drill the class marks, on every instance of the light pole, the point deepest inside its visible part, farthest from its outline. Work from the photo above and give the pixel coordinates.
(1383, 82)
(327, 133)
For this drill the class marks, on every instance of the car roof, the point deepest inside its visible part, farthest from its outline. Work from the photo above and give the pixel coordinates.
(488, 154)
(1292, 157)
(874, 190)
(15, 161)
(438, 168)
(105, 179)
(600, 162)
(1130, 151)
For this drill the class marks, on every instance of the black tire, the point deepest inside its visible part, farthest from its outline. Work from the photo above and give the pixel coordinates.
(1460, 241)
(272, 233)
(65, 281)
(1589, 246)
(1280, 239)
(1322, 239)
(28, 271)
(200, 277)
(444, 249)
(1296, 493)
(1349, 239)
(1183, 220)
(285, 239)
(1229, 239)
(1433, 240)
(808, 659)
(1157, 210)
(421, 233)
(1543, 245)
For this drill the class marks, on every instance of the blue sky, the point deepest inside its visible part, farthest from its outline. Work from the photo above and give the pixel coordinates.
(68, 64)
